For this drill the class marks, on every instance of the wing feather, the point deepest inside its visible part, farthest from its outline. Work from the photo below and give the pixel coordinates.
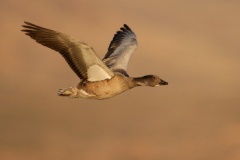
(80, 56)
(120, 50)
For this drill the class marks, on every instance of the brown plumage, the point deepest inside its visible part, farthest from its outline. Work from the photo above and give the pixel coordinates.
(100, 79)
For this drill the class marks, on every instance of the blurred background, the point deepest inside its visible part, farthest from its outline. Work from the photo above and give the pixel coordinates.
(194, 45)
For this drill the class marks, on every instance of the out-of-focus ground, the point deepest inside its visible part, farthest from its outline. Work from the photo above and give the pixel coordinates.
(194, 45)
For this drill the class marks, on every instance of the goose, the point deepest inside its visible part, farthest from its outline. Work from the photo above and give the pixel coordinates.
(99, 79)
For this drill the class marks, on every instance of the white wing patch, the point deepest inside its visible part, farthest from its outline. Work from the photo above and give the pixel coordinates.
(96, 73)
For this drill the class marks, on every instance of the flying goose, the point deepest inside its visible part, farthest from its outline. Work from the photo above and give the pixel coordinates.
(99, 79)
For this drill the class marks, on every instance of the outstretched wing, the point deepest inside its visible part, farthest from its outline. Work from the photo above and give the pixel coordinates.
(120, 50)
(80, 56)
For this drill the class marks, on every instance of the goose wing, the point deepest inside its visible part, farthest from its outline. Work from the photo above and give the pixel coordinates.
(120, 50)
(80, 56)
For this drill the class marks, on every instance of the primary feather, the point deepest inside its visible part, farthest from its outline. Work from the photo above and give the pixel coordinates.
(120, 50)
(80, 56)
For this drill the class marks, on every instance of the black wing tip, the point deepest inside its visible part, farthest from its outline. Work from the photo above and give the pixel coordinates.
(27, 24)
(124, 30)
(127, 27)
(30, 26)
(118, 37)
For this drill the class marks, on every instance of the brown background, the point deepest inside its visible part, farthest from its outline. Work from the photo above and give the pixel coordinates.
(194, 45)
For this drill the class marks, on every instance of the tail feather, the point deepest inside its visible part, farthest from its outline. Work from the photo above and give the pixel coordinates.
(69, 92)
